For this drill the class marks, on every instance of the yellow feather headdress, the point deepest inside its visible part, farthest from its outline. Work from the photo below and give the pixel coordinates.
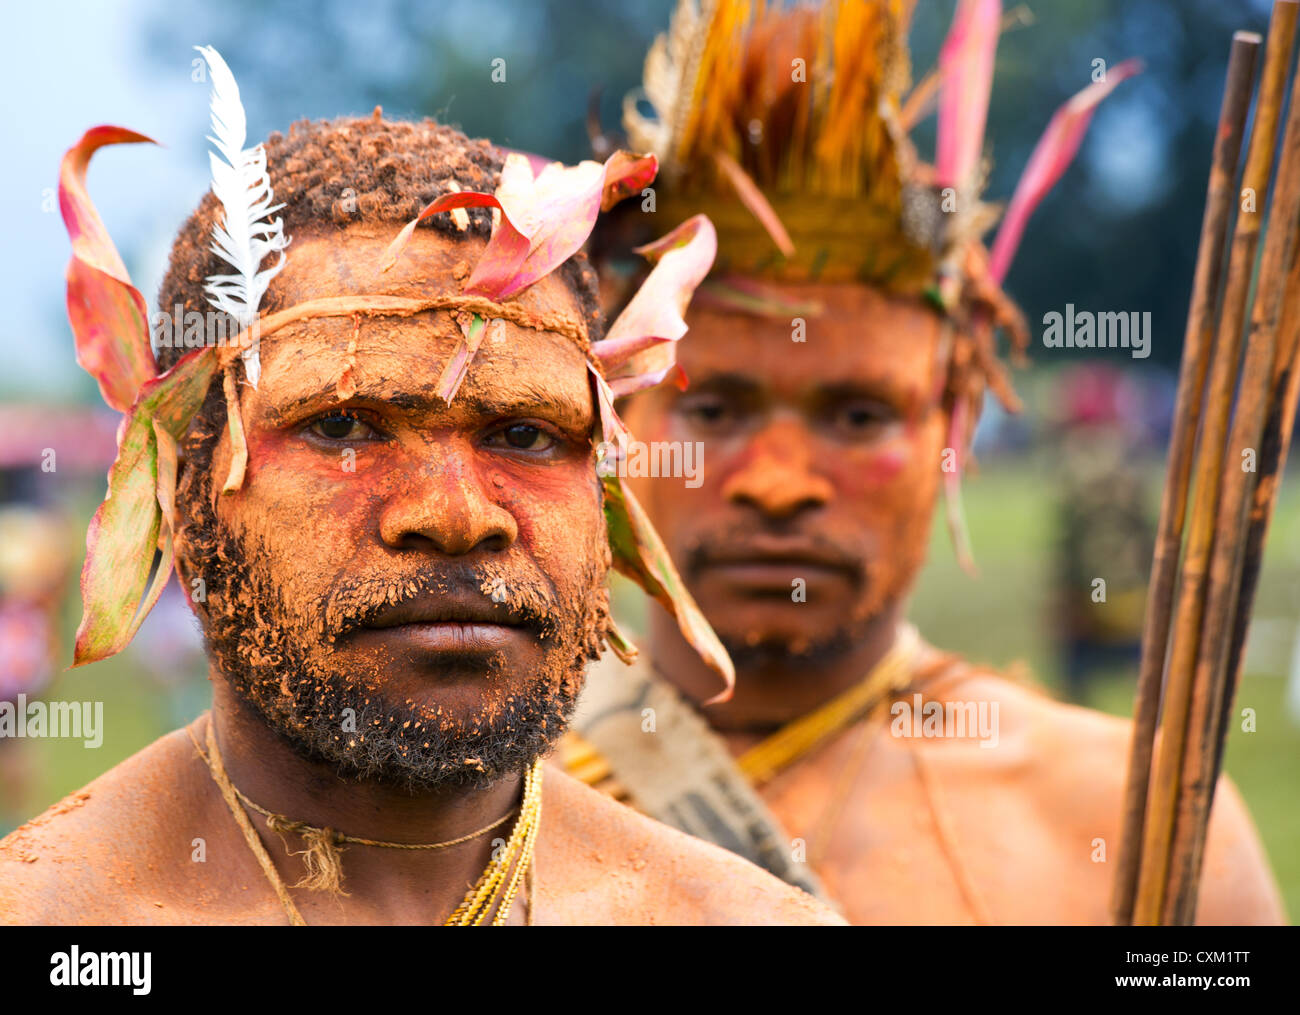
(804, 103)
(788, 124)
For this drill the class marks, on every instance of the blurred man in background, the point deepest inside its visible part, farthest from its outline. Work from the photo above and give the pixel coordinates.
(836, 374)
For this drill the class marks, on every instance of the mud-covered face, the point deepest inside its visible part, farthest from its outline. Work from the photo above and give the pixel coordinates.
(435, 569)
(821, 465)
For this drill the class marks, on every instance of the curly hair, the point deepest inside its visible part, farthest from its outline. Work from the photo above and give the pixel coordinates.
(329, 173)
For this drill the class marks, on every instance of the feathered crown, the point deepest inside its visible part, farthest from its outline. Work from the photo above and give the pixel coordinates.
(789, 125)
(543, 213)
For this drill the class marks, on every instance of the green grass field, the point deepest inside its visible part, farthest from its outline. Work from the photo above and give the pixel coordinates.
(1000, 618)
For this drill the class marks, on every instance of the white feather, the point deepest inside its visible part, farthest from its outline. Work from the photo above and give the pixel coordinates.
(246, 234)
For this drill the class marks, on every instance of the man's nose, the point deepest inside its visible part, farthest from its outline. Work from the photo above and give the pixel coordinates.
(444, 506)
(778, 474)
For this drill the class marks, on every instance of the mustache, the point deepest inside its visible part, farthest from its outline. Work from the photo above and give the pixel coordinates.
(849, 551)
(520, 594)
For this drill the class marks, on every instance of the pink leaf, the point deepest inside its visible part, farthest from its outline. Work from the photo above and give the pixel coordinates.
(448, 202)
(545, 219)
(555, 211)
(1051, 157)
(966, 68)
(642, 340)
(612, 429)
(624, 386)
(626, 174)
(107, 313)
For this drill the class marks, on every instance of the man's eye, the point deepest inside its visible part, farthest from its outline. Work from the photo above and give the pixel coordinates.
(708, 412)
(522, 437)
(862, 418)
(339, 426)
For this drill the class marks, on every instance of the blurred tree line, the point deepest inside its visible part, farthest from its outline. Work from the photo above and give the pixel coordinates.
(1118, 233)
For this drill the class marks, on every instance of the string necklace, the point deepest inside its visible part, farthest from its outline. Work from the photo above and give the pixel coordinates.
(492, 895)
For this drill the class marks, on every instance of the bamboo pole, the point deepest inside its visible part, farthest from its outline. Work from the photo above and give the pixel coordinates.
(1278, 429)
(1208, 461)
(1220, 199)
(1199, 771)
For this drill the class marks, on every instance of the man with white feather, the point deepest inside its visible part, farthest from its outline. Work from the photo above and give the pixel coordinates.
(383, 503)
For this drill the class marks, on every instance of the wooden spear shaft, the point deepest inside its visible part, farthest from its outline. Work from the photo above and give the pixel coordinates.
(1220, 199)
(1188, 607)
(1279, 427)
(1238, 486)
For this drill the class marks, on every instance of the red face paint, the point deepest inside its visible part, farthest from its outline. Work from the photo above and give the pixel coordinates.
(821, 463)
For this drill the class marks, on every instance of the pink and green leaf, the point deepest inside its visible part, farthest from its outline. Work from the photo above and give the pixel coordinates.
(454, 372)
(1050, 159)
(133, 520)
(966, 72)
(639, 554)
(108, 315)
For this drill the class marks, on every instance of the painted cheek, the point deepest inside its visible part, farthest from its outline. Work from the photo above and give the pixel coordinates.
(884, 466)
(883, 463)
(546, 501)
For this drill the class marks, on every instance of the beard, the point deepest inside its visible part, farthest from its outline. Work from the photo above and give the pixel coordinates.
(277, 654)
(879, 583)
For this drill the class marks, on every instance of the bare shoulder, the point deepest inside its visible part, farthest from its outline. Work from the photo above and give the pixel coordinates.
(1072, 763)
(96, 855)
(1020, 726)
(601, 862)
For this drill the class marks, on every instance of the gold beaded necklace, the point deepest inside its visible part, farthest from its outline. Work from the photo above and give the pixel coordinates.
(493, 890)
(493, 893)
